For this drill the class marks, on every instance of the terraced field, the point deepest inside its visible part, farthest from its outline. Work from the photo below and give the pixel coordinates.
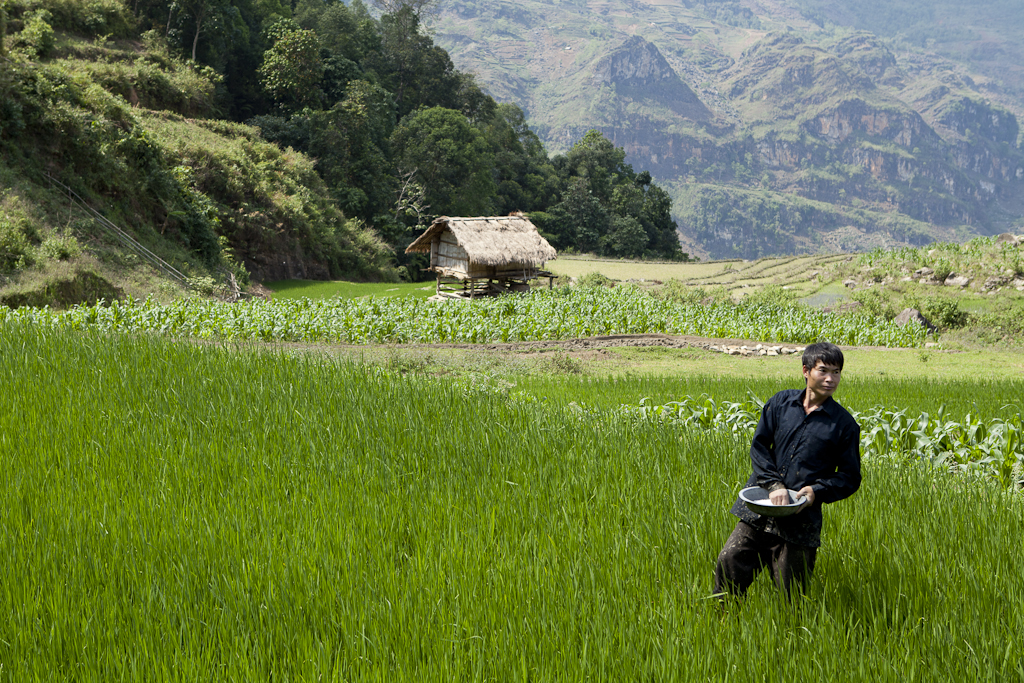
(739, 277)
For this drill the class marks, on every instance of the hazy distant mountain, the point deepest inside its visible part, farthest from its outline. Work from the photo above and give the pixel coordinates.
(777, 125)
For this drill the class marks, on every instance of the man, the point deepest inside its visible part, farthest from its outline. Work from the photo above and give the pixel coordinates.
(807, 442)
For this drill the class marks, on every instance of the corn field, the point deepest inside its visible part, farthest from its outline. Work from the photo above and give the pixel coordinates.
(562, 313)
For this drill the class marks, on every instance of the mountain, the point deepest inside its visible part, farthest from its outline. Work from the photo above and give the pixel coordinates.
(776, 125)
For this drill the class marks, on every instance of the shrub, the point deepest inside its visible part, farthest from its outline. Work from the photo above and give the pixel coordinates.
(202, 284)
(16, 245)
(943, 312)
(562, 362)
(675, 291)
(87, 17)
(37, 36)
(595, 280)
(61, 248)
(942, 269)
(770, 295)
(878, 302)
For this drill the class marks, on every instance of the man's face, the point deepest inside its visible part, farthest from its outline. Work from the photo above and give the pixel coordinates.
(823, 379)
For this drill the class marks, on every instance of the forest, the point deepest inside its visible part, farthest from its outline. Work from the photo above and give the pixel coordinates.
(361, 97)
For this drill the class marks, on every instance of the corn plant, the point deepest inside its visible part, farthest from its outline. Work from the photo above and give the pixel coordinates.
(989, 447)
(556, 314)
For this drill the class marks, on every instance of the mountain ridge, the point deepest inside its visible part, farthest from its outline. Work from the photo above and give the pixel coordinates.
(883, 133)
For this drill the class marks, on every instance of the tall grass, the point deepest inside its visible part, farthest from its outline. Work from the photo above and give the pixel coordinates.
(174, 512)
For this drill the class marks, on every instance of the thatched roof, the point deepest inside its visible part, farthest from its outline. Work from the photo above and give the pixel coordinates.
(491, 240)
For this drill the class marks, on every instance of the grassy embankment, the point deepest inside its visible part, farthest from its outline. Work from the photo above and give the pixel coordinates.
(245, 514)
(130, 128)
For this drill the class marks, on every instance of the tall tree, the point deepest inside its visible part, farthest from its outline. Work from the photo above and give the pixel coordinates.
(3, 28)
(635, 214)
(597, 159)
(656, 217)
(197, 18)
(421, 8)
(292, 67)
(579, 220)
(525, 176)
(418, 72)
(450, 158)
(346, 37)
(350, 143)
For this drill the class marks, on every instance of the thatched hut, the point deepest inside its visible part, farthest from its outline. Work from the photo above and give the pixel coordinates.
(484, 256)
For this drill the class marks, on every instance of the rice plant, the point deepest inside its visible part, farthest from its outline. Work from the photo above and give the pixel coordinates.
(174, 511)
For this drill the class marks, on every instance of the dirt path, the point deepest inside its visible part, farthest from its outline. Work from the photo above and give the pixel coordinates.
(604, 342)
(576, 345)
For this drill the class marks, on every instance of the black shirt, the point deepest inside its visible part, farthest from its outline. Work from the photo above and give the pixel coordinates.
(794, 449)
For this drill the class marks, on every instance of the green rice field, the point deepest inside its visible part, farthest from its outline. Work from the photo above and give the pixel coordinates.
(174, 511)
(317, 289)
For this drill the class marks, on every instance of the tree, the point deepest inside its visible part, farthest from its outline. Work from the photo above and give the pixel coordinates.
(292, 67)
(226, 35)
(3, 28)
(419, 73)
(580, 221)
(626, 238)
(350, 143)
(595, 158)
(450, 159)
(421, 8)
(627, 199)
(656, 217)
(635, 214)
(525, 176)
(338, 27)
(474, 103)
(206, 17)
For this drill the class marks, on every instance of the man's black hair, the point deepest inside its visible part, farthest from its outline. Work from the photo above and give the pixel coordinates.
(827, 352)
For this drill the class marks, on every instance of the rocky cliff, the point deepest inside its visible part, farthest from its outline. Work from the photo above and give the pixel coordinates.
(774, 140)
(638, 72)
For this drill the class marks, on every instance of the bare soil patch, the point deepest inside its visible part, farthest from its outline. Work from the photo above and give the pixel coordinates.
(578, 345)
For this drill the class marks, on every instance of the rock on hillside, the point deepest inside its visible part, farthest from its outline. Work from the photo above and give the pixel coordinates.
(637, 71)
(869, 54)
(781, 70)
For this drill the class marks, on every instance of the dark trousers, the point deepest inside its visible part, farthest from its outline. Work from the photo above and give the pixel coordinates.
(749, 550)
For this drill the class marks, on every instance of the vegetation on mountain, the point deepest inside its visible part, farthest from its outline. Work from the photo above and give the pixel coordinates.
(986, 34)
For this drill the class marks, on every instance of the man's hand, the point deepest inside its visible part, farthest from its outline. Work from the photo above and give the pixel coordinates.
(809, 493)
(779, 497)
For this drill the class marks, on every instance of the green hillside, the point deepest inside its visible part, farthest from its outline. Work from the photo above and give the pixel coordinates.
(115, 117)
(983, 35)
(806, 129)
(153, 148)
